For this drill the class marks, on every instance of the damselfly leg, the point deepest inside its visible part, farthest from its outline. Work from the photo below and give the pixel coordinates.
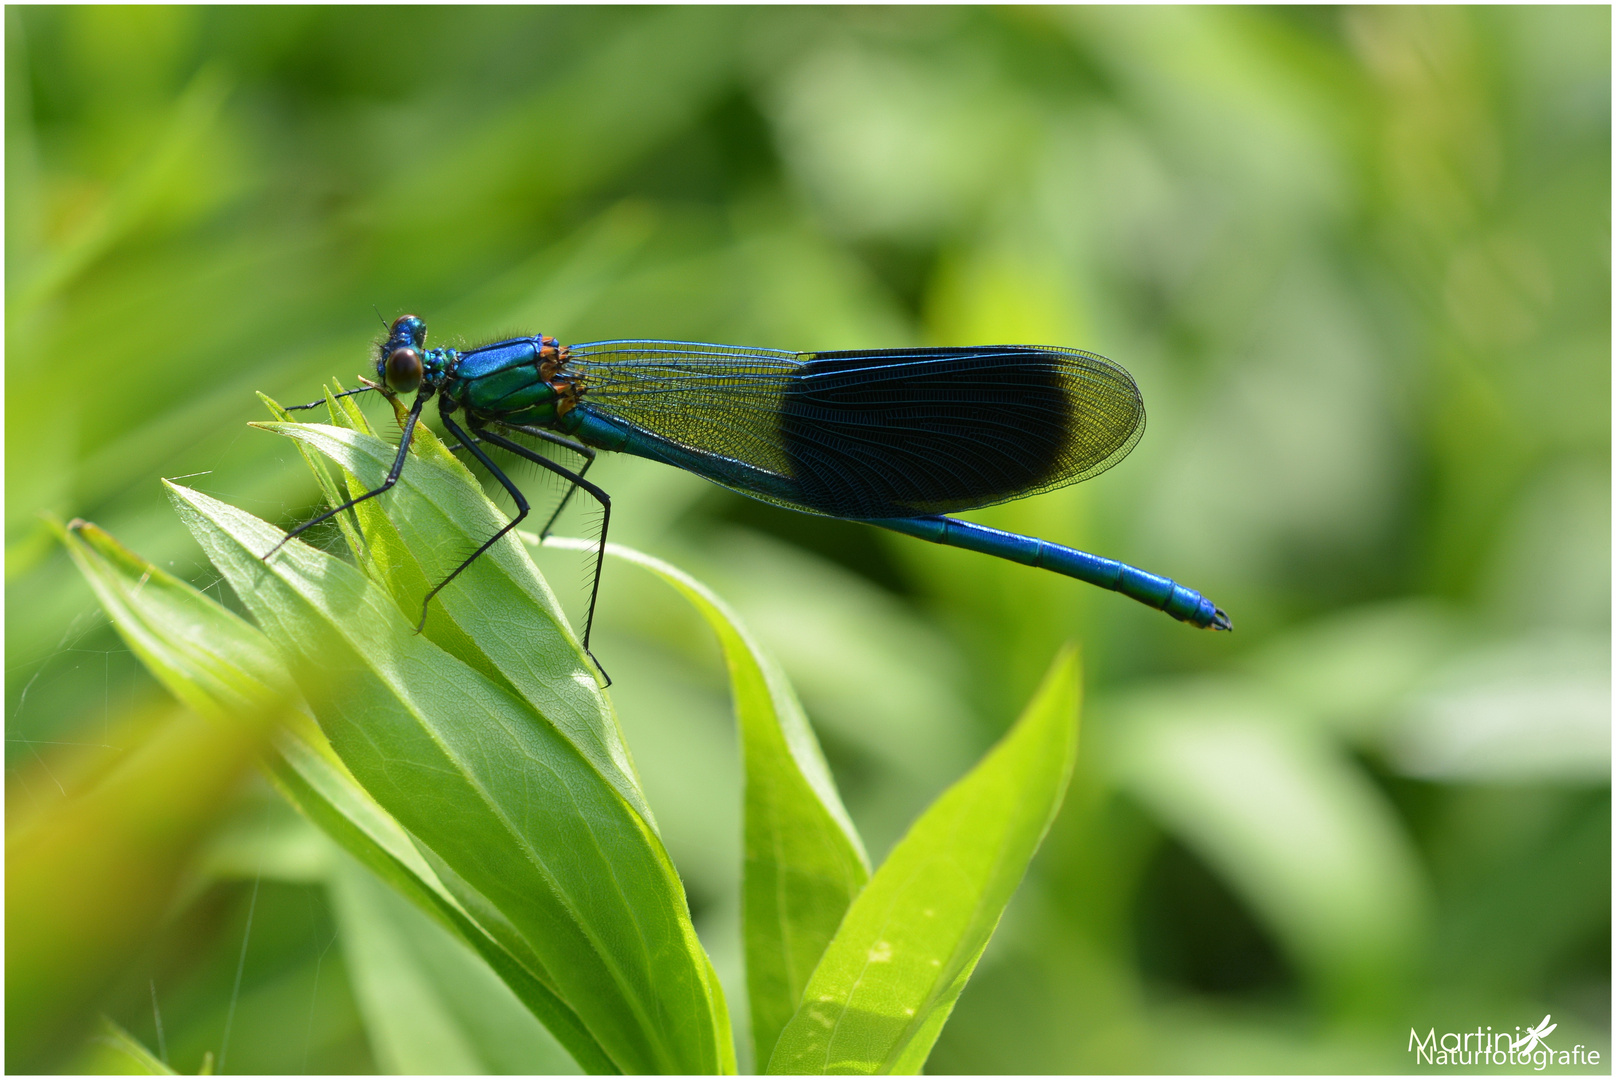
(392, 478)
(522, 508)
(322, 401)
(585, 452)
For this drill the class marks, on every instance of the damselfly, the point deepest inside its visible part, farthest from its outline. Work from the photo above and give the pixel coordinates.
(895, 438)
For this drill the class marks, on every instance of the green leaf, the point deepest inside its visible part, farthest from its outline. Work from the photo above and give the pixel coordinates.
(91, 875)
(430, 1004)
(498, 792)
(112, 1051)
(346, 522)
(803, 862)
(310, 777)
(224, 667)
(498, 615)
(211, 659)
(889, 979)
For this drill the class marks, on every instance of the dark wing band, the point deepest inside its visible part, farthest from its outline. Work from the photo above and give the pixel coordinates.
(882, 433)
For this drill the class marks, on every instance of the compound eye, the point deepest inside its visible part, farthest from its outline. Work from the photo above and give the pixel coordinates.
(407, 328)
(403, 370)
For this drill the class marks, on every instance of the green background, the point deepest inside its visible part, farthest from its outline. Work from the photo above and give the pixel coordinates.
(1358, 262)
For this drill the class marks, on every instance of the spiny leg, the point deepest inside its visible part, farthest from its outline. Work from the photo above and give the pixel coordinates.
(521, 510)
(600, 496)
(585, 452)
(345, 393)
(392, 477)
(549, 436)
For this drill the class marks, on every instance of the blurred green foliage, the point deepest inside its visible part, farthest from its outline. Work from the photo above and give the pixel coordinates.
(1358, 261)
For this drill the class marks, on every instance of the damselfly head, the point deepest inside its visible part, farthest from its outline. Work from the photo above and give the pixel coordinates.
(406, 330)
(399, 363)
(402, 370)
